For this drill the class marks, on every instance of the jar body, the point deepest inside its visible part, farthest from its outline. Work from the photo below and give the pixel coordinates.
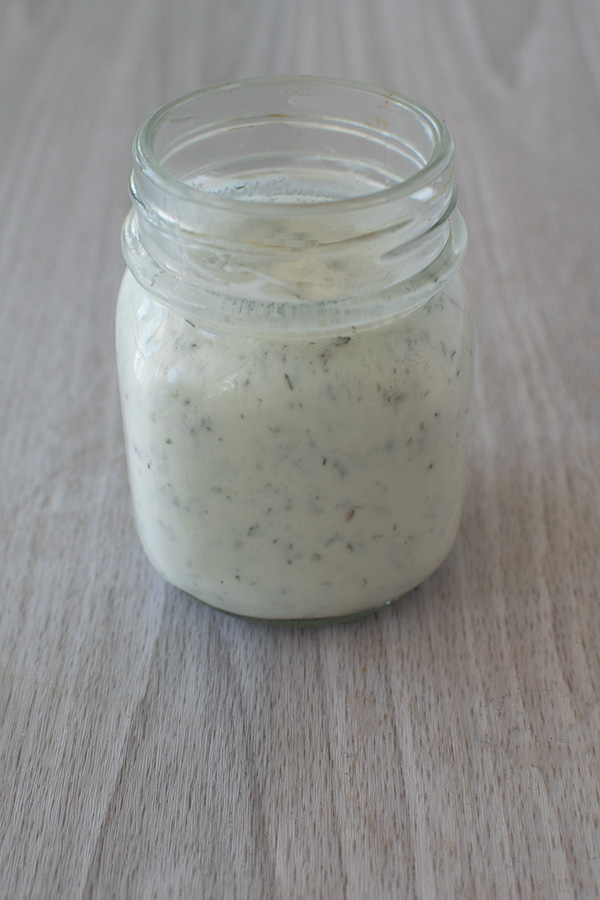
(295, 347)
(285, 477)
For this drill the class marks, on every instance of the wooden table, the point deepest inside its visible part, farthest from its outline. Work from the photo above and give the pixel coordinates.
(447, 747)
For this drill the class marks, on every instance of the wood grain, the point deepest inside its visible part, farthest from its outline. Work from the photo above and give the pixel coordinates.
(446, 747)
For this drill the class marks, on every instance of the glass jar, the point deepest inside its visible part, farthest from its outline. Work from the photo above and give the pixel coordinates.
(294, 346)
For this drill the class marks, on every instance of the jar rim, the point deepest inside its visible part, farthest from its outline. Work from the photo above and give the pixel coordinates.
(347, 206)
(148, 162)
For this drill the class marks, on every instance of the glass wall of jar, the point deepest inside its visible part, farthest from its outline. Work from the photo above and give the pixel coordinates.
(294, 346)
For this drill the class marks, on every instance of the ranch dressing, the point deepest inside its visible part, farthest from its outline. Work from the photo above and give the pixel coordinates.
(294, 478)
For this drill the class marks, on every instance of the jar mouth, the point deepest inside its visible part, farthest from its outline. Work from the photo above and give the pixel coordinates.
(403, 165)
(285, 193)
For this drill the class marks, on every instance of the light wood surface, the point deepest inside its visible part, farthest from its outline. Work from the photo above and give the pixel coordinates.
(447, 747)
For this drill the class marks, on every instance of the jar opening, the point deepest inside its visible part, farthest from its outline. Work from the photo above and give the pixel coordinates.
(292, 188)
(208, 142)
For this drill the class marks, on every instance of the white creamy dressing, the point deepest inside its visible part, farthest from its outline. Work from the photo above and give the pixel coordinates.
(292, 477)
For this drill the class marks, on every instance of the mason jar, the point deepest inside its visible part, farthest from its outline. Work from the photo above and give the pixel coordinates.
(294, 346)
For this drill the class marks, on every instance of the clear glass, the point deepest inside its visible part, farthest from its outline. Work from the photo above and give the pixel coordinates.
(294, 346)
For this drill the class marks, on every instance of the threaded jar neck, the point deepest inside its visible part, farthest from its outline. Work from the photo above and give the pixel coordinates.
(296, 196)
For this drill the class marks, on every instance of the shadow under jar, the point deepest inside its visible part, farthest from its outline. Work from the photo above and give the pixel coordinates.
(294, 346)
